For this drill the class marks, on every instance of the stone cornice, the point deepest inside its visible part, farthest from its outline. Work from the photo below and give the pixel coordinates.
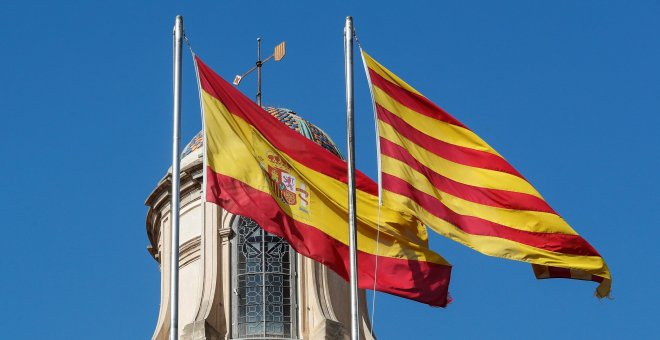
(159, 200)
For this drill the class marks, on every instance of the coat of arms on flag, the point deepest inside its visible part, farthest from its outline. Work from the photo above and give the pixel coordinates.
(283, 182)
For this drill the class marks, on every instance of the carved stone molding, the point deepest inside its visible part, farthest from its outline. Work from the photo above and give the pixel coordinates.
(159, 200)
(189, 251)
(226, 233)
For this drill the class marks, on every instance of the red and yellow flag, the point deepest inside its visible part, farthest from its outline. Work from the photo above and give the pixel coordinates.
(435, 168)
(294, 188)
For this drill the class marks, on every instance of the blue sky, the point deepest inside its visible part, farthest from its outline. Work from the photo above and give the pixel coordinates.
(567, 91)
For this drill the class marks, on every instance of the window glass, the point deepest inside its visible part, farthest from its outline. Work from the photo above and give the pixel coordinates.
(264, 283)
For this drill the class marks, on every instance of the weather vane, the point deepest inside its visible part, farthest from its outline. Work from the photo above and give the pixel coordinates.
(278, 54)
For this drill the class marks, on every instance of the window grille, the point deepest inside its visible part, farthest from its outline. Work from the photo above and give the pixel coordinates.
(264, 284)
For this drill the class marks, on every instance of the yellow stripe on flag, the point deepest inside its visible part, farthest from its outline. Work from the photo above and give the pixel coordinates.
(500, 247)
(535, 221)
(385, 73)
(439, 130)
(484, 178)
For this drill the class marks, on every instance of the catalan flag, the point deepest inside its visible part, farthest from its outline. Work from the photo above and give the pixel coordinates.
(435, 168)
(259, 168)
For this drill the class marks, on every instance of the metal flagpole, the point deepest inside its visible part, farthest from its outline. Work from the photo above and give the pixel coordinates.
(176, 141)
(350, 131)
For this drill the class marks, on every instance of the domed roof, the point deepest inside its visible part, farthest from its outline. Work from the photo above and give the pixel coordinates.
(290, 119)
(195, 144)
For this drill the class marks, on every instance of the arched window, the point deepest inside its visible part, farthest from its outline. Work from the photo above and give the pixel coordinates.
(264, 285)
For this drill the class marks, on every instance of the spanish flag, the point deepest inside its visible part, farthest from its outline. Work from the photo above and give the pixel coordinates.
(435, 168)
(294, 188)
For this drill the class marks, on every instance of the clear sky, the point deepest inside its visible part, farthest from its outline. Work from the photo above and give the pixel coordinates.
(567, 91)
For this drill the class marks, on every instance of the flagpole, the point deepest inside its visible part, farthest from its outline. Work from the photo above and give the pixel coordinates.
(259, 63)
(176, 143)
(350, 131)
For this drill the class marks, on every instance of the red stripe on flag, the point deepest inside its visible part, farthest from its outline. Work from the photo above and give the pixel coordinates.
(561, 243)
(491, 197)
(451, 152)
(556, 272)
(412, 100)
(416, 280)
(562, 273)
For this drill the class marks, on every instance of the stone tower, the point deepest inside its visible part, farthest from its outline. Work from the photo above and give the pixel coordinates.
(236, 280)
